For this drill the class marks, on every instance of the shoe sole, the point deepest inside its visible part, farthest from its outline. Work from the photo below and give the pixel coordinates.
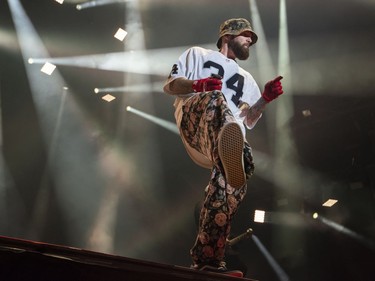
(234, 273)
(231, 143)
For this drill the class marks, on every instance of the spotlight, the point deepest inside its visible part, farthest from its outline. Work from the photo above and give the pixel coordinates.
(259, 216)
(315, 216)
(96, 90)
(78, 7)
(120, 34)
(30, 60)
(48, 68)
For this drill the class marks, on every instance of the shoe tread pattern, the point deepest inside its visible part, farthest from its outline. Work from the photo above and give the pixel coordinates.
(231, 143)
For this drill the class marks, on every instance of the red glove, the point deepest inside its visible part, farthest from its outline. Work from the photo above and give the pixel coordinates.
(207, 84)
(272, 89)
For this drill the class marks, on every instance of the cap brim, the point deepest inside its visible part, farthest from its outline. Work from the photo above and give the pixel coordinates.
(254, 37)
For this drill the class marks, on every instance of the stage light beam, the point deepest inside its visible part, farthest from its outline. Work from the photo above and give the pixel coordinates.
(163, 123)
(141, 61)
(350, 233)
(96, 3)
(272, 262)
(70, 162)
(135, 88)
(266, 67)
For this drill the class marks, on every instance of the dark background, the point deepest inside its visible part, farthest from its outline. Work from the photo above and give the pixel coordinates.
(101, 178)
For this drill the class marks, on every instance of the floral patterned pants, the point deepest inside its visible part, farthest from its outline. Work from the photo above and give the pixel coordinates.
(204, 115)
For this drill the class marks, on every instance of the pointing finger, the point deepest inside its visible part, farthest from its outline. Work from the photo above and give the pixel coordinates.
(278, 78)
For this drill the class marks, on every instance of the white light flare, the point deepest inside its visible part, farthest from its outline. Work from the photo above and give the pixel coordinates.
(108, 98)
(330, 203)
(259, 216)
(48, 68)
(120, 34)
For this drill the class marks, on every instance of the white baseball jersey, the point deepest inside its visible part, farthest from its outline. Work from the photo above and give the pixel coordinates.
(238, 84)
(198, 63)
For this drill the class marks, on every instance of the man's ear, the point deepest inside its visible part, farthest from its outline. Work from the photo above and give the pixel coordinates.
(226, 38)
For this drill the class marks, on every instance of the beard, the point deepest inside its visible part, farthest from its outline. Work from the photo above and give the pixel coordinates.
(240, 51)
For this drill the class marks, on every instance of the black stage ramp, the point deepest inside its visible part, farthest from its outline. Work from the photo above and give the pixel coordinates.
(22, 260)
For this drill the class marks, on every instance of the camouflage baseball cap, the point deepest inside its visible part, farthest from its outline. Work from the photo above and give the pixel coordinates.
(236, 27)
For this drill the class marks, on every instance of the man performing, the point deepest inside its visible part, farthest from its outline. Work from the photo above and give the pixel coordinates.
(216, 100)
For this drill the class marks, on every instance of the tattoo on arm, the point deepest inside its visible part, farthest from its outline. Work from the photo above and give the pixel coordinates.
(255, 111)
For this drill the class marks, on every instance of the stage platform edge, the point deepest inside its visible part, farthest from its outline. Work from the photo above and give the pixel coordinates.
(31, 260)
